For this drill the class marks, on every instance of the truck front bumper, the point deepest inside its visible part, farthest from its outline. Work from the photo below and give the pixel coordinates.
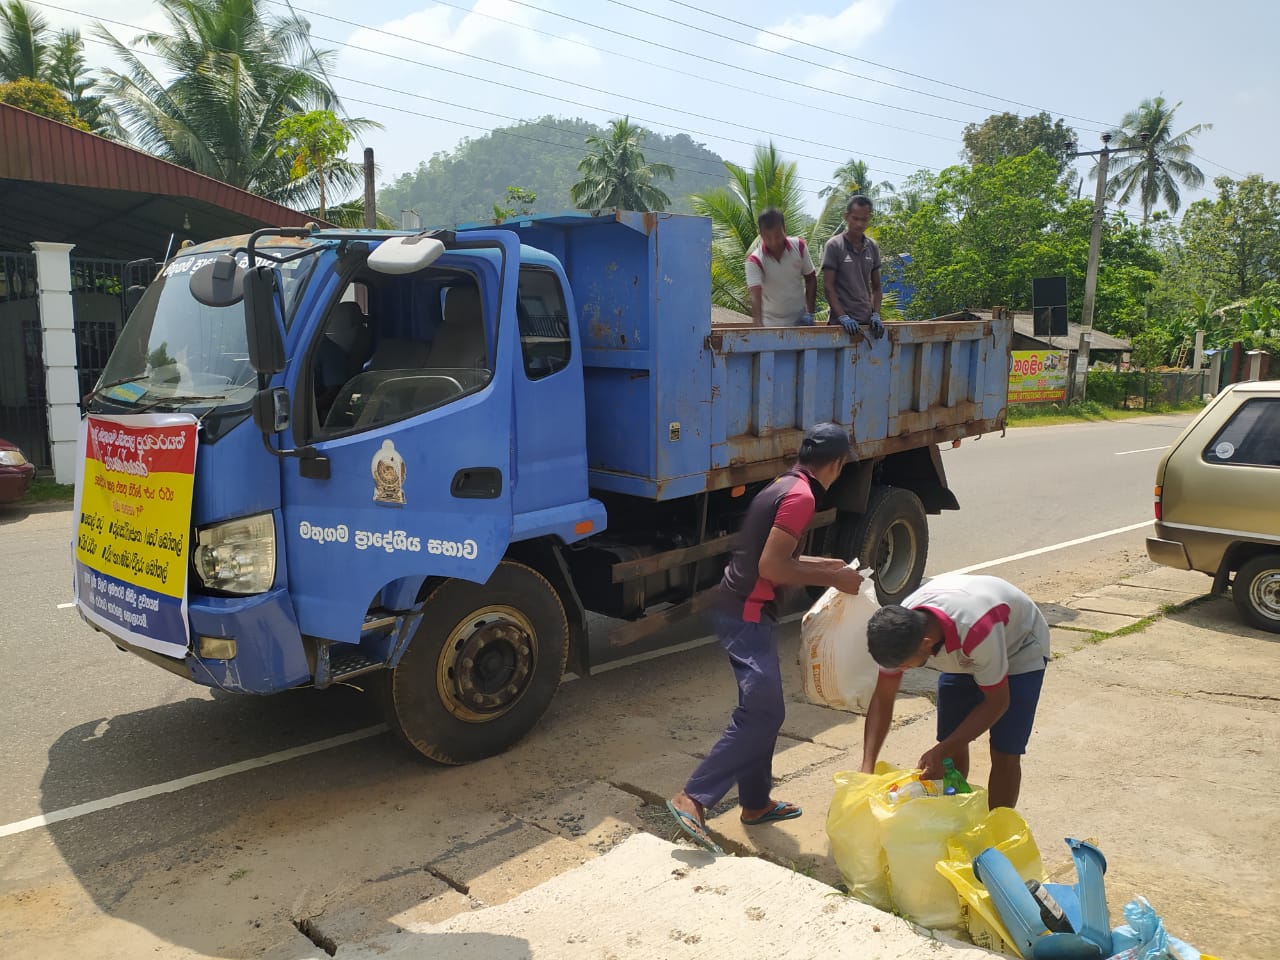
(269, 654)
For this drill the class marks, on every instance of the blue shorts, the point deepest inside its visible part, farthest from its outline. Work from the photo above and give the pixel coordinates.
(959, 694)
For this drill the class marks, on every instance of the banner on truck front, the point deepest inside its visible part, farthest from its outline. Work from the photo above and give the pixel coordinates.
(133, 527)
(1037, 376)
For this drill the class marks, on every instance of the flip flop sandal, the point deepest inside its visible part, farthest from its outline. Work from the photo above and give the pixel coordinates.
(695, 829)
(781, 811)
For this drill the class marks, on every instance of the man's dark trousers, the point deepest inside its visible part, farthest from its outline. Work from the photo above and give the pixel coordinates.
(744, 754)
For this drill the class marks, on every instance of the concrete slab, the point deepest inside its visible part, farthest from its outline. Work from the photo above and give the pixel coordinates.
(1175, 581)
(1134, 607)
(495, 864)
(648, 898)
(1153, 595)
(1093, 620)
(842, 731)
(592, 814)
(658, 777)
(794, 756)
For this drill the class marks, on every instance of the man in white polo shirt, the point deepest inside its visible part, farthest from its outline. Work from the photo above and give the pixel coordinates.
(780, 276)
(990, 643)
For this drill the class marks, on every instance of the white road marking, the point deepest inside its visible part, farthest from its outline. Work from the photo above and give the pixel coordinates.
(986, 564)
(1125, 453)
(195, 779)
(64, 606)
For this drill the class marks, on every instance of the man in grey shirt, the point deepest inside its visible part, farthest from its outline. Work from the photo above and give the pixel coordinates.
(851, 271)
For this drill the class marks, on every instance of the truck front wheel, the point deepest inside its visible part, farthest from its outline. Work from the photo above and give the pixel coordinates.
(482, 668)
(892, 538)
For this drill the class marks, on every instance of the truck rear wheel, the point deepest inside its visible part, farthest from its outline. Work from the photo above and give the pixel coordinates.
(482, 668)
(1256, 592)
(892, 538)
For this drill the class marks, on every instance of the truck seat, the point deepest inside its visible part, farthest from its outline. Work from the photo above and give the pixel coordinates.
(459, 340)
(392, 353)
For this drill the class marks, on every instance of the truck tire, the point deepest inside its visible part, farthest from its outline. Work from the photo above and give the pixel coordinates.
(482, 668)
(1256, 592)
(893, 538)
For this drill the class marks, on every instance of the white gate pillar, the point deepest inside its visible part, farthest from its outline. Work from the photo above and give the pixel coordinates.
(61, 378)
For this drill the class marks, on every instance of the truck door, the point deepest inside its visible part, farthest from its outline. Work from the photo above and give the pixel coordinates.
(409, 382)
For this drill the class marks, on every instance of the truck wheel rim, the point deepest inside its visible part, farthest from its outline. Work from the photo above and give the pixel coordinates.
(897, 557)
(1264, 594)
(486, 664)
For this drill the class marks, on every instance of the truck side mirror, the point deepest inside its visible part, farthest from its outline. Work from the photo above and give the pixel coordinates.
(271, 409)
(266, 344)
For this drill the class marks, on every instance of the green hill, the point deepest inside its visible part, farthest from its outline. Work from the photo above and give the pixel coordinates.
(542, 155)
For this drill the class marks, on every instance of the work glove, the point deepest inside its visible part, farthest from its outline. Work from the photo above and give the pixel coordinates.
(850, 325)
(876, 325)
(806, 320)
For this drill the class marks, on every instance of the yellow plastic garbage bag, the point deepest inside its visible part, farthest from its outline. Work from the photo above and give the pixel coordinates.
(914, 835)
(1005, 830)
(855, 836)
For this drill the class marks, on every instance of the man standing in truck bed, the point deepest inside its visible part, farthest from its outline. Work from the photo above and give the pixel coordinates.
(766, 555)
(780, 277)
(851, 271)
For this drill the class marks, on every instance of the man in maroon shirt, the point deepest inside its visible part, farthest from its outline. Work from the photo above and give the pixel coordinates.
(766, 555)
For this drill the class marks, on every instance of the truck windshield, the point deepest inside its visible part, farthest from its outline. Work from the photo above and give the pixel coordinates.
(176, 351)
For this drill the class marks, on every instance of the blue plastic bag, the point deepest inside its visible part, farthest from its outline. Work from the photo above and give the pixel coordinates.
(1143, 937)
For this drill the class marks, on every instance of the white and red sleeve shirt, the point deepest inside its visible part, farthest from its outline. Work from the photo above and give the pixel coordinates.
(990, 628)
(781, 281)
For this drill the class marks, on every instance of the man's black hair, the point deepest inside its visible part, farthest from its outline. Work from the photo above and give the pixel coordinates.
(894, 634)
(858, 200)
(771, 218)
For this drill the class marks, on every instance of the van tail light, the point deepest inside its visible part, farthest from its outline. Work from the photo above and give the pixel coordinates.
(1159, 506)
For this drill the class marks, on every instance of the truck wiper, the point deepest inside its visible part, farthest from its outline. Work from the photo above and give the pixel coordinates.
(88, 397)
(174, 399)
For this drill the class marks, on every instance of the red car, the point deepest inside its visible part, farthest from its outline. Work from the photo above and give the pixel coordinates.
(16, 472)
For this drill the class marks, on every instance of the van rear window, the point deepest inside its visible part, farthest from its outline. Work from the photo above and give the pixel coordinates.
(1251, 437)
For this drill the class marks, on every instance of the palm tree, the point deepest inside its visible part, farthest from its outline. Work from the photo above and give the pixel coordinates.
(69, 74)
(1157, 165)
(615, 174)
(23, 42)
(27, 51)
(852, 177)
(231, 75)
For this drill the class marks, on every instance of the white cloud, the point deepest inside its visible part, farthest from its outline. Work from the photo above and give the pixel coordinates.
(847, 29)
(492, 30)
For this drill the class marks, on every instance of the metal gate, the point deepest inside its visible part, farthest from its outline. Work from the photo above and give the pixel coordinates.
(97, 292)
(102, 284)
(24, 414)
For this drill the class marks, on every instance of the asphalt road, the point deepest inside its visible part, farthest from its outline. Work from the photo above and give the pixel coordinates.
(1034, 488)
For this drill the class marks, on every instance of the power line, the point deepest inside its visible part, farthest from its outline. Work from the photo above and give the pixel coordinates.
(871, 63)
(554, 79)
(651, 43)
(528, 28)
(714, 175)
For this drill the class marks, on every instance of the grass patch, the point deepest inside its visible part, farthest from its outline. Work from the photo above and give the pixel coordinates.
(48, 491)
(1088, 411)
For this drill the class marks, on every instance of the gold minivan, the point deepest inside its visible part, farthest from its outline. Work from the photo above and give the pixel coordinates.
(1218, 500)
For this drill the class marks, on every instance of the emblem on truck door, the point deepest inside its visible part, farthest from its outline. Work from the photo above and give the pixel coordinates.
(388, 474)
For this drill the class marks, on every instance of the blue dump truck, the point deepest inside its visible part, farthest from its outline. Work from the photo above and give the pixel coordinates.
(423, 458)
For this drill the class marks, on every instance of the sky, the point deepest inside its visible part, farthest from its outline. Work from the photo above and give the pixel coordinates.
(891, 82)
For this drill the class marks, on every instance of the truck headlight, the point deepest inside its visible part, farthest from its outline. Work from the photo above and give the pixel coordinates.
(238, 556)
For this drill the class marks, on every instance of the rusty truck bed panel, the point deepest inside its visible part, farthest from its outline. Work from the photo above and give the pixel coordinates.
(677, 405)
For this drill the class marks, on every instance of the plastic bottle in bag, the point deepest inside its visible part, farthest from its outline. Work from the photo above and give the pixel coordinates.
(951, 777)
(912, 788)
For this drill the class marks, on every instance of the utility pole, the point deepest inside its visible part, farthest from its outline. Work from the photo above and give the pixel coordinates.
(370, 197)
(1095, 246)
